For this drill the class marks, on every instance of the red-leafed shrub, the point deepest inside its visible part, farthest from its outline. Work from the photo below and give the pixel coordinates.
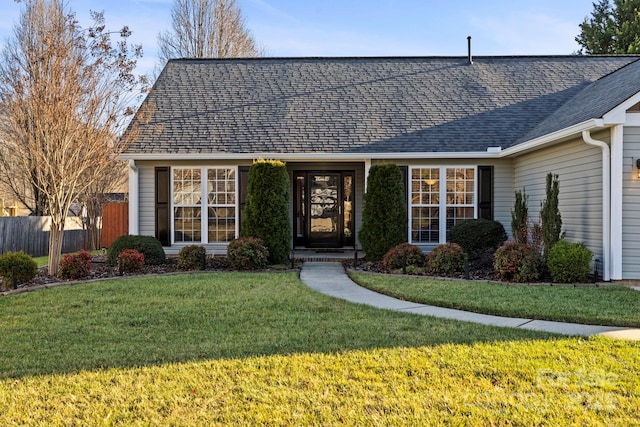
(518, 262)
(447, 258)
(75, 266)
(403, 255)
(131, 261)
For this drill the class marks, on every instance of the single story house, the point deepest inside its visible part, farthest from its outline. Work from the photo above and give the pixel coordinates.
(466, 132)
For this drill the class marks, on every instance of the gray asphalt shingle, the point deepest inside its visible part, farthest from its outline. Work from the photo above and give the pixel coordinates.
(376, 105)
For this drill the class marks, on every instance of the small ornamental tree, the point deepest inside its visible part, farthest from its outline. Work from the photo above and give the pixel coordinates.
(520, 218)
(267, 209)
(384, 216)
(550, 215)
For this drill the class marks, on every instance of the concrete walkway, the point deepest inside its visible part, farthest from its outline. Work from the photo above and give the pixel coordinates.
(330, 278)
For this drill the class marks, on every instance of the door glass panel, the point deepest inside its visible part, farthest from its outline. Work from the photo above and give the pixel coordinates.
(324, 208)
(347, 200)
(300, 207)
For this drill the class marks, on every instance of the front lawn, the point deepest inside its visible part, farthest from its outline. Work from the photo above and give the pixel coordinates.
(608, 305)
(252, 349)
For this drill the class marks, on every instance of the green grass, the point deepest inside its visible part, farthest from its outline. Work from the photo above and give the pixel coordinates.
(609, 305)
(178, 318)
(263, 349)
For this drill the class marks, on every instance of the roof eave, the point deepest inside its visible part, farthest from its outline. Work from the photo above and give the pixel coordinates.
(553, 137)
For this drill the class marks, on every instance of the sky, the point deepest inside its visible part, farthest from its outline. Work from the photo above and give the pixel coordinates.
(293, 28)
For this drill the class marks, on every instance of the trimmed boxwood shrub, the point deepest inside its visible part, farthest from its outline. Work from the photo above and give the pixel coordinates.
(247, 253)
(518, 262)
(25, 268)
(149, 246)
(569, 262)
(447, 258)
(478, 236)
(75, 266)
(131, 261)
(403, 255)
(192, 257)
(267, 208)
(384, 216)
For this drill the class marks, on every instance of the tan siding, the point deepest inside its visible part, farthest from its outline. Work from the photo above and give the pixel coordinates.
(631, 205)
(579, 169)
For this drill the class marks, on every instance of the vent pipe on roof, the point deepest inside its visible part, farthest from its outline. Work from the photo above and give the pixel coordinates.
(469, 57)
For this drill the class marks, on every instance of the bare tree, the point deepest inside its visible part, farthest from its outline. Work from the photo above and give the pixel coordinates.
(64, 94)
(206, 29)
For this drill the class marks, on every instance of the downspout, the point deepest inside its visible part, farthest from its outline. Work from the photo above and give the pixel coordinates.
(133, 198)
(606, 202)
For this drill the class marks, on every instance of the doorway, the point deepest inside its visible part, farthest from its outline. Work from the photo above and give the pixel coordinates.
(324, 209)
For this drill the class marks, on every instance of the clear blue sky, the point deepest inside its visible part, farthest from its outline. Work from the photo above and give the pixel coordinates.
(363, 27)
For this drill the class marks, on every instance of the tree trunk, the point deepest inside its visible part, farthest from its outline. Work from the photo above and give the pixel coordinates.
(56, 233)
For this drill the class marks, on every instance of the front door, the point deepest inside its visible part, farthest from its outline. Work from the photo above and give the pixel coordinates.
(324, 209)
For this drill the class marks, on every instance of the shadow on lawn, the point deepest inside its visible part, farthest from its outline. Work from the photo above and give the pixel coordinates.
(151, 321)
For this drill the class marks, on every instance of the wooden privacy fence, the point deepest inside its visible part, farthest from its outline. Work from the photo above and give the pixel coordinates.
(115, 222)
(31, 235)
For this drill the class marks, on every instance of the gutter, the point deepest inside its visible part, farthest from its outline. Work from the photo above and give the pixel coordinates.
(606, 202)
(305, 157)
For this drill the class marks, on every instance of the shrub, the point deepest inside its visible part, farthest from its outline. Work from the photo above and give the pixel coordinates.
(478, 236)
(247, 253)
(192, 257)
(267, 208)
(446, 259)
(75, 266)
(25, 268)
(520, 217)
(403, 255)
(517, 262)
(551, 220)
(569, 262)
(149, 246)
(131, 261)
(384, 215)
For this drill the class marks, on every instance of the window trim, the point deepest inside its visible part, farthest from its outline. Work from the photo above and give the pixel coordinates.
(204, 207)
(443, 205)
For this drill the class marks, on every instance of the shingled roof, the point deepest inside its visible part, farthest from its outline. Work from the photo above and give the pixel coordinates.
(376, 105)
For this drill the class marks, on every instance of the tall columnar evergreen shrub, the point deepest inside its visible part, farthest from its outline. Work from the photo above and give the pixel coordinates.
(550, 214)
(267, 209)
(384, 216)
(520, 217)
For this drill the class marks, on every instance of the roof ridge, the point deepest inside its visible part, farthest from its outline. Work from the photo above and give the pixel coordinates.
(411, 57)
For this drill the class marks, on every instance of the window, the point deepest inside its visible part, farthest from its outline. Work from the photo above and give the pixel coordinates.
(217, 222)
(440, 198)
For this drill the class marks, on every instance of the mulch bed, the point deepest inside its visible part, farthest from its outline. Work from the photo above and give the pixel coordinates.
(100, 270)
(475, 272)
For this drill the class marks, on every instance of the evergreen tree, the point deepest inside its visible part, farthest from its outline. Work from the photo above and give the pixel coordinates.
(550, 214)
(520, 218)
(384, 216)
(267, 209)
(611, 29)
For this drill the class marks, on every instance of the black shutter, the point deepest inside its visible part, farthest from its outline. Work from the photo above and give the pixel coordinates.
(243, 172)
(485, 192)
(163, 216)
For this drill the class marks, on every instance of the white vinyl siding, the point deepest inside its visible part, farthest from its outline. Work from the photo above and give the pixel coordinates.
(579, 170)
(631, 205)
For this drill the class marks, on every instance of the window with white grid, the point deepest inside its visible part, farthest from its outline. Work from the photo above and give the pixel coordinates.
(216, 220)
(440, 198)
(187, 205)
(221, 204)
